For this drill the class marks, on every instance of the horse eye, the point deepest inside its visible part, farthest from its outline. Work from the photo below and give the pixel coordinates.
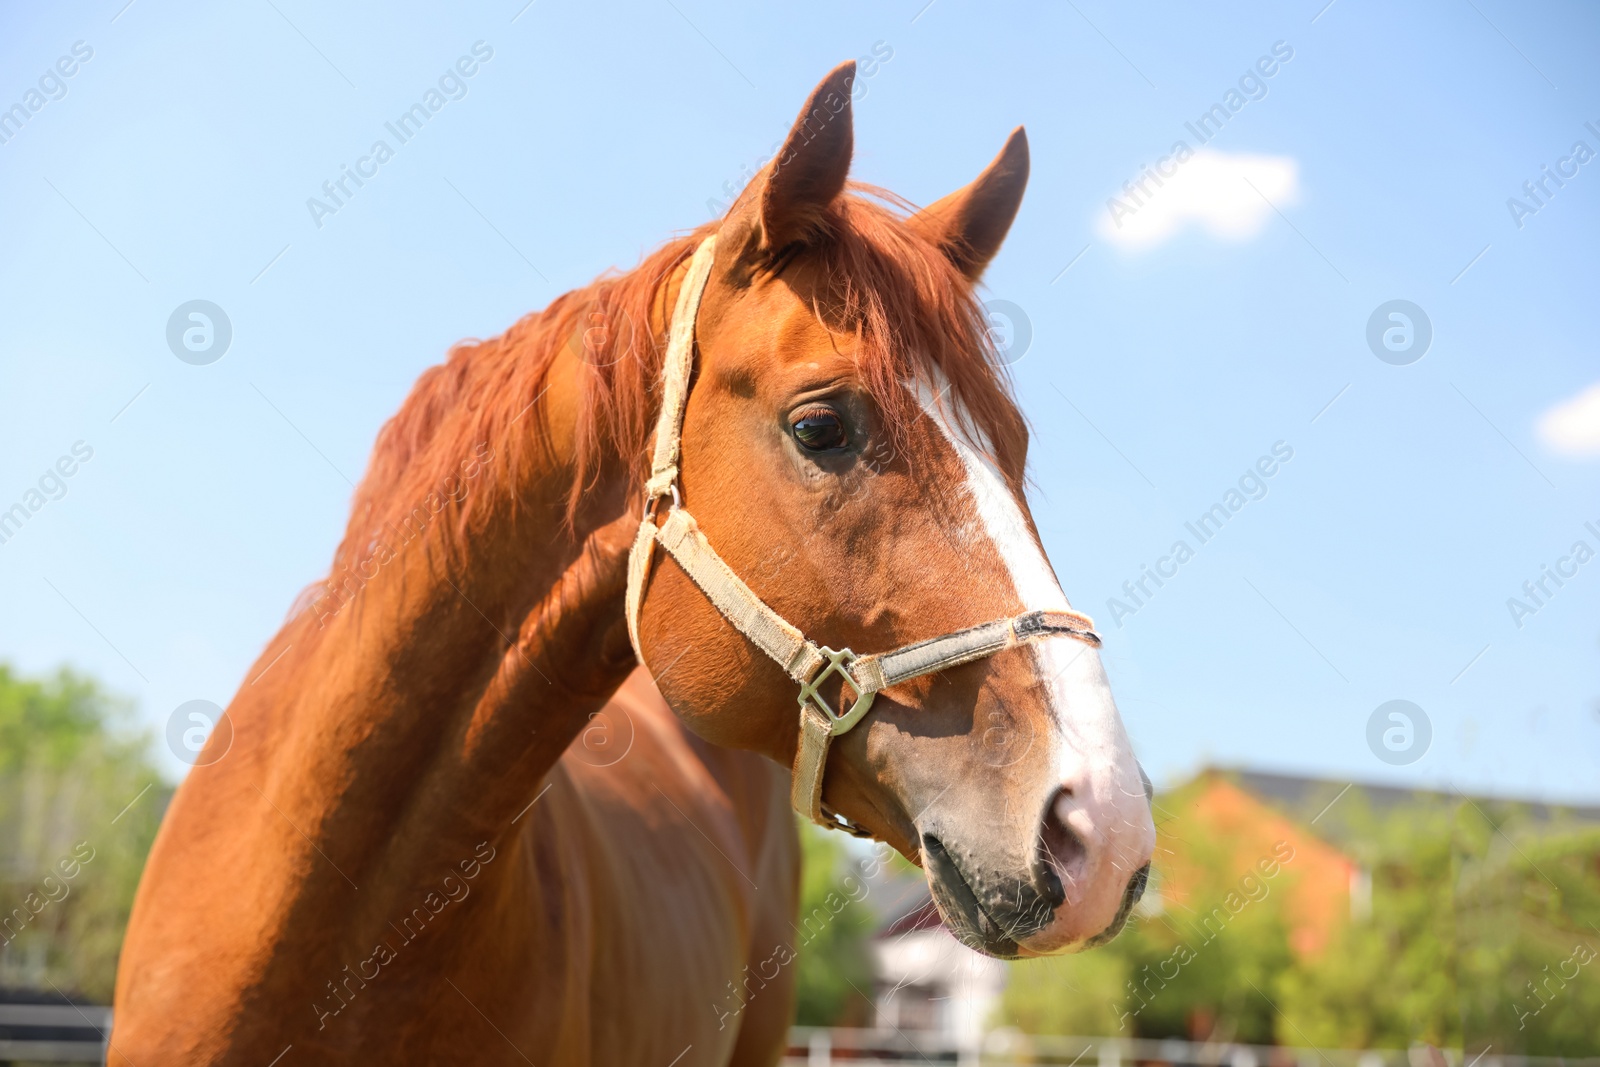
(820, 431)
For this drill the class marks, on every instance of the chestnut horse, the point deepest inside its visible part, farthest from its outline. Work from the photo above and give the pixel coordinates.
(815, 374)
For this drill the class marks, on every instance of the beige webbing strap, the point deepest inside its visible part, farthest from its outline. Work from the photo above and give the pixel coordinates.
(810, 760)
(874, 673)
(639, 559)
(677, 367)
(952, 650)
(676, 371)
(766, 629)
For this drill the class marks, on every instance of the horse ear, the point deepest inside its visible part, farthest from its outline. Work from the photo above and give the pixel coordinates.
(810, 169)
(970, 223)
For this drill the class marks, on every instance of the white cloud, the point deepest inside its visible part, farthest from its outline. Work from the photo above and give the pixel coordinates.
(1572, 427)
(1212, 190)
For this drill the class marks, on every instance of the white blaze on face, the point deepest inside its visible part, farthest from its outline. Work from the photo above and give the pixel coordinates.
(1093, 755)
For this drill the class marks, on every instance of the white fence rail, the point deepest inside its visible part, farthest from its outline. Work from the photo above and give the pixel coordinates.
(814, 1047)
(53, 1033)
(60, 1033)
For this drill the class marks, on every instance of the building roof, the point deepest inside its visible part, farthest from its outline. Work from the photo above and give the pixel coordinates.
(909, 906)
(1305, 797)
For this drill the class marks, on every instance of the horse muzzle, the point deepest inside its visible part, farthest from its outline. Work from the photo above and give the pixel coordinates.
(1071, 891)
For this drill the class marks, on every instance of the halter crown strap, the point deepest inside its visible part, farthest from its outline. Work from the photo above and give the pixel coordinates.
(808, 663)
(677, 368)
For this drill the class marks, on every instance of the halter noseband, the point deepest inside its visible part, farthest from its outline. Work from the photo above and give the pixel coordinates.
(808, 663)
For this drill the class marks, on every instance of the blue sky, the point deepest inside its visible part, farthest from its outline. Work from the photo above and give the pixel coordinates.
(1168, 355)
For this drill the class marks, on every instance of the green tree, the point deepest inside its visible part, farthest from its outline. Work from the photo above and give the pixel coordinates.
(1079, 995)
(1528, 924)
(79, 806)
(1390, 978)
(1484, 930)
(834, 980)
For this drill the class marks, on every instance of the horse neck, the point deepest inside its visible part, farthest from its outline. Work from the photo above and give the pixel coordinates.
(388, 738)
(426, 708)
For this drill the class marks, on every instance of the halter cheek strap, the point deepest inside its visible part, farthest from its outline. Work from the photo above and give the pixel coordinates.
(807, 663)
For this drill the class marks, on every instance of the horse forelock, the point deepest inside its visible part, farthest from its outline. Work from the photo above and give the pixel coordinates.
(919, 321)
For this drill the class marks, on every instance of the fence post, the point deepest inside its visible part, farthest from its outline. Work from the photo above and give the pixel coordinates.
(819, 1051)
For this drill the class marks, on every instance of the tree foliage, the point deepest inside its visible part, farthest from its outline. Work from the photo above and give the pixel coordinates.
(834, 981)
(1484, 931)
(79, 806)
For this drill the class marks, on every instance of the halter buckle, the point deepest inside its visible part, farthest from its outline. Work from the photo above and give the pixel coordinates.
(837, 663)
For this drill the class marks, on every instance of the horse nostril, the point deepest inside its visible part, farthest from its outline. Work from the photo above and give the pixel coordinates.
(1060, 852)
(1047, 881)
(1136, 886)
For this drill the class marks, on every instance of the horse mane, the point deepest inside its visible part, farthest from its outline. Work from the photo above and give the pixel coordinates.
(913, 313)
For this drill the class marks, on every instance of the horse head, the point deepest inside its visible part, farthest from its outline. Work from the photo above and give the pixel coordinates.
(840, 443)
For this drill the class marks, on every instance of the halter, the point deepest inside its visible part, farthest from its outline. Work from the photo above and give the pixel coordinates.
(808, 663)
